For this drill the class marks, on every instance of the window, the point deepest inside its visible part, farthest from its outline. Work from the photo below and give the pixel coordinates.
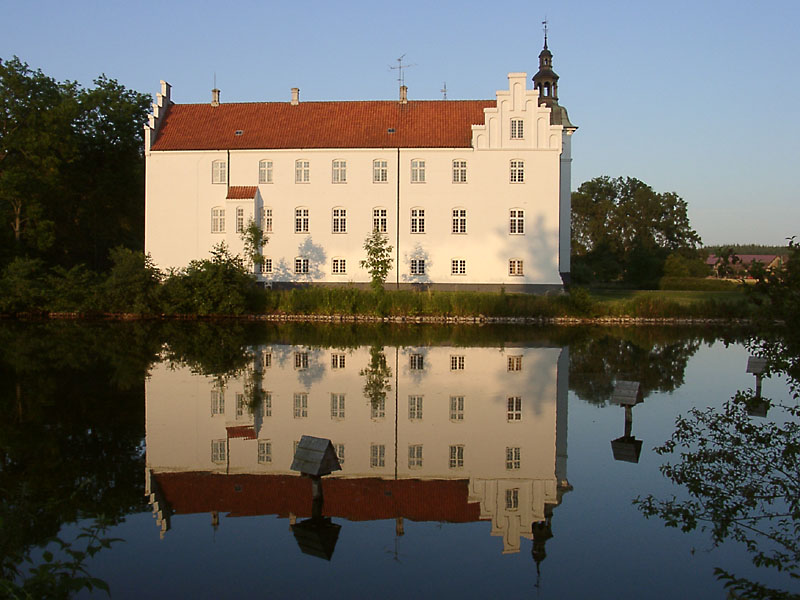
(378, 409)
(517, 129)
(459, 171)
(339, 171)
(301, 360)
(301, 266)
(337, 406)
(456, 363)
(339, 220)
(417, 171)
(418, 266)
(219, 171)
(456, 457)
(417, 220)
(457, 408)
(377, 455)
(266, 407)
(264, 451)
(415, 456)
(239, 220)
(512, 458)
(414, 408)
(217, 220)
(512, 499)
(515, 267)
(337, 361)
(239, 404)
(218, 451)
(458, 266)
(301, 220)
(217, 401)
(515, 363)
(340, 453)
(517, 171)
(514, 409)
(302, 171)
(265, 171)
(417, 362)
(380, 171)
(295, 444)
(379, 219)
(266, 219)
(300, 405)
(267, 360)
(516, 221)
(339, 266)
(459, 220)
(266, 267)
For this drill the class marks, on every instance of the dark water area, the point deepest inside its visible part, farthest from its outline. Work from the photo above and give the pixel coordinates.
(475, 461)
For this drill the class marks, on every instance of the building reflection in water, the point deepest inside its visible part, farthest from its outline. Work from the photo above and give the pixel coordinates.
(455, 435)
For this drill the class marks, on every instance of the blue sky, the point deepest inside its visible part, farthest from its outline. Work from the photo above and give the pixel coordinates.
(697, 97)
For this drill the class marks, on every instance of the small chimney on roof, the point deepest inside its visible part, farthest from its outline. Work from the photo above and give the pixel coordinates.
(403, 94)
(215, 97)
(295, 96)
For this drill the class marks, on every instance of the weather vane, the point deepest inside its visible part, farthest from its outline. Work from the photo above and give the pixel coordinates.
(444, 91)
(544, 24)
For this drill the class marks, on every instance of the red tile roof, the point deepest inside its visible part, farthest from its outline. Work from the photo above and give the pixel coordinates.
(242, 192)
(247, 432)
(281, 125)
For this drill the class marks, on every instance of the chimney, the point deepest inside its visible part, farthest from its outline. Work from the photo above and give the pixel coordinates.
(295, 96)
(403, 94)
(215, 97)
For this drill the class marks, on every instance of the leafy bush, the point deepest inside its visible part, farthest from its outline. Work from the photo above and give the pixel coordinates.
(697, 284)
(23, 286)
(73, 290)
(132, 285)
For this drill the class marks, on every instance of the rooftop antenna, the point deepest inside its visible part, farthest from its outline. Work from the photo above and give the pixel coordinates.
(444, 91)
(401, 78)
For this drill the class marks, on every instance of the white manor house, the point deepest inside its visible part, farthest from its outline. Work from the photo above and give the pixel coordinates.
(472, 194)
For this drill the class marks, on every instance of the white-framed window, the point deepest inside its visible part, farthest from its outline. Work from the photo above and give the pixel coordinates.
(337, 406)
(300, 405)
(517, 171)
(339, 220)
(514, 412)
(219, 171)
(340, 453)
(302, 171)
(459, 220)
(218, 453)
(417, 171)
(377, 409)
(517, 129)
(515, 267)
(417, 362)
(217, 220)
(301, 219)
(264, 451)
(339, 171)
(456, 456)
(456, 363)
(414, 408)
(301, 266)
(301, 360)
(240, 407)
(458, 266)
(513, 458)
(217, 401)
(418, 266)
(337, 361)
(379, 220)
(380, 171)
(457, 408)
(266, 266)
(516, 221)
(239, 220)
(266, 360)
(459, 171)
(266, 407)
(339, 266)
(377, 455)
(417, 220)
(266, 219)
(512, 499)
(265, 171)
(414, 456)
(515, 363)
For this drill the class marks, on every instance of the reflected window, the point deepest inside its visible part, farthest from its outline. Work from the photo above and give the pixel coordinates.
(240, 408)
(218, 451)
(417, 362)
(456, 363)
(266, 407)
(456, 456)
(377, 408)
(512, 458)
(514, 412)
(457, 408)
(377, 456)
(415, 456)
(515, 363)
(267, 359)
(340, 453)
(300, 405)
(337, 361)
(301, 360)
(337, 406)
(512, 499)
(414, 408)
(264, 451)
(217, 401)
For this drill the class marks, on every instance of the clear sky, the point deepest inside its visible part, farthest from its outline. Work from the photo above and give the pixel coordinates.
(697, 97)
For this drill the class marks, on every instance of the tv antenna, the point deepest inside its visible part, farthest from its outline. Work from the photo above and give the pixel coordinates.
(444, 91)
(401, 78)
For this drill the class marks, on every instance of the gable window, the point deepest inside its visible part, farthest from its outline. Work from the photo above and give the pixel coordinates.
(264, 451)
(459, 220)
(417, 220)
(302, 171)
(516, 221)
(266, 219)
(457, 408)
(515, 267)
(458, 266)
(339, 171)
(514, 412)
(513, 458)
(379, 220)
(418, 266)
(517, 130)
(265, 171)
(380, 171)
(517, 171)
(415, 456)
(456, 457)
(301, 266)
(417, 171)
(459, 171)
(339, 220)
(301, 220)
(219, 171)
(239, 220)
(217, 220)
(339, 266)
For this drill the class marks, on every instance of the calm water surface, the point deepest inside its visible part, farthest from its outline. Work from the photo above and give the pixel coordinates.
(475, 462)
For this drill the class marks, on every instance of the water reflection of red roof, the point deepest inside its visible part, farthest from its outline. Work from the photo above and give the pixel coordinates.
(247, 432)
(363, 499)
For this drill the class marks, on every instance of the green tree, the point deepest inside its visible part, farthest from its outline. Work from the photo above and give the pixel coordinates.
(379, 258)
(254, 240)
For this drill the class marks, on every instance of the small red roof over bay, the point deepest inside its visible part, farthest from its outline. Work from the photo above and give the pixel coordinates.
(361, 124)
(242, 192)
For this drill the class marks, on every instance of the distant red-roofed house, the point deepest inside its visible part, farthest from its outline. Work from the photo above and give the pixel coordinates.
(743, 262)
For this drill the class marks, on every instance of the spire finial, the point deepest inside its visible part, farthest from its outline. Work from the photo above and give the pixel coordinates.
(544, 25)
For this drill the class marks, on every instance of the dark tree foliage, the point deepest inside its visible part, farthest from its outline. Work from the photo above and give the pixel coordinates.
(376, 377)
